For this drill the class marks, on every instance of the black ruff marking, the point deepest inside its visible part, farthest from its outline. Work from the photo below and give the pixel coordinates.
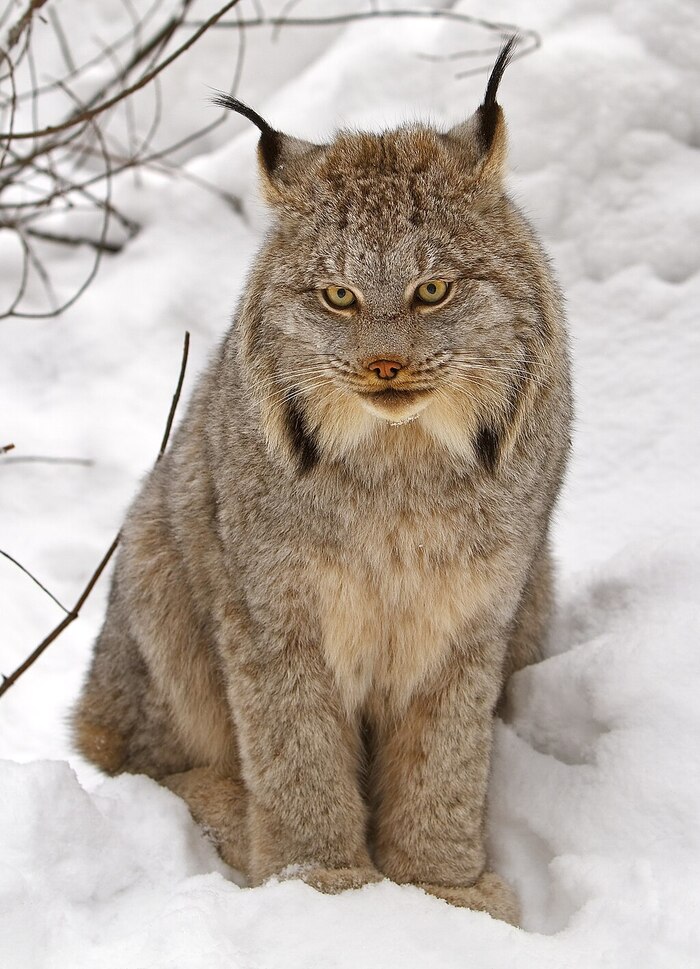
(303, 444)
(270, 140)
(488, 447)
(488, 111)
(488, 439)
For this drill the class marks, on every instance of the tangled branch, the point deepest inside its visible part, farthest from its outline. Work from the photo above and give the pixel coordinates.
(55, 176)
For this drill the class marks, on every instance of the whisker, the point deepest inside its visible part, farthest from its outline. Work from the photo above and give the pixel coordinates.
(489, 362)
(303, 371)
(298, 386)
(460, 389)
(289, 380)
(301, 392)
(290, 392)
(517, 371)
(472, 368)
(459, 357)
(485, 377)
(520, 353)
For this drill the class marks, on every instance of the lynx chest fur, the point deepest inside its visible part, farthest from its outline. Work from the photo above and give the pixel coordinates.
(325, 584)
(397, 593)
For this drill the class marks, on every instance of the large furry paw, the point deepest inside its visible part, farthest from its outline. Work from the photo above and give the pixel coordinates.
(333, 880)
(489, 893)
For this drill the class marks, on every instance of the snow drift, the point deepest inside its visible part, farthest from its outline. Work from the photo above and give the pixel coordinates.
(595, 796)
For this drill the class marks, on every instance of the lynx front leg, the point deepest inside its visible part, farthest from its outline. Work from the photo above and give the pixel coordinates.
(300, 766)
(431, 775)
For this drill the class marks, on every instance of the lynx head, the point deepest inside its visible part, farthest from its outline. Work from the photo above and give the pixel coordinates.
(398, 286)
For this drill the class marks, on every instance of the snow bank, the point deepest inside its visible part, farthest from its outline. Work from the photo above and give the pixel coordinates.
(595, 798)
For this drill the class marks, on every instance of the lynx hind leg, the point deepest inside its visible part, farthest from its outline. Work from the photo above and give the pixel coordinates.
(118, 723)
(218, 804)
(531, 620)
(489, 893)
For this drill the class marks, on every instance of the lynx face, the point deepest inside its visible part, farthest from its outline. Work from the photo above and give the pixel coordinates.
(400, 285)
(392, 223)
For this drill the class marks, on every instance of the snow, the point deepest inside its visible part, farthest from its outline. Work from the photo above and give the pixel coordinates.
(595, 796)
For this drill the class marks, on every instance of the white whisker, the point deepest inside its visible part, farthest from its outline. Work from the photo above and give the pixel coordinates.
(298, 387)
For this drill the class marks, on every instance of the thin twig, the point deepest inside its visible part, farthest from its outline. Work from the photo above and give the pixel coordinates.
(41, 271)
(62, 41)
(46, 459)
(97, 59)
(6, 447)
(142, 82)
(45, 174)
(34, 579)
(99, 247)
(176, 397)
(10, 680)
(20, 57)
(58, 153)
(330, 20)
(13, 110)
(24, 278)
(22, 24)
(66, 240)
(65, 189)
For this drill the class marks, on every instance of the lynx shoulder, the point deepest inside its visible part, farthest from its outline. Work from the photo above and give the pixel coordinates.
(325, 583)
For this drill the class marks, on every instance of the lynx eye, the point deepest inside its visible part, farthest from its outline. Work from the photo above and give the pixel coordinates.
(432, 292)
(339, 297)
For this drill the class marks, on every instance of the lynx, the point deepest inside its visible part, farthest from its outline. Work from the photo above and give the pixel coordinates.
(324, 585)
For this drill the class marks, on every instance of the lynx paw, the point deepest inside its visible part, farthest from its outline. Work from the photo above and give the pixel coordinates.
(488, 894)
(334, 880)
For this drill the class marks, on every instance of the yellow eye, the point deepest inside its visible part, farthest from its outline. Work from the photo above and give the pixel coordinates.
(433, 291)
(340, 297)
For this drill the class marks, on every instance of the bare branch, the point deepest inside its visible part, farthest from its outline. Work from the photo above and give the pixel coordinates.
(67, 240)
(62, 40)
(66, 187)
(100, 246)
(13, 109)
(9, 681)
(24, 277)
(44, 171)
(376, 13)
(94, 61)
(23, 24)
(87, 115)
(45, 459)
(176, 397)
(34, 579)
(40, 270)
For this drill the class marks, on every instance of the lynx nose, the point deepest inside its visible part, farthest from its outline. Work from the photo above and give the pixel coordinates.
(384, 369)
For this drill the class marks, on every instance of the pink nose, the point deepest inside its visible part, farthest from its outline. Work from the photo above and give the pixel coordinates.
(384, 369)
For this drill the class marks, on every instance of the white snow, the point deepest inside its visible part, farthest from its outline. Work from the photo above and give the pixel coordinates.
(595, 798)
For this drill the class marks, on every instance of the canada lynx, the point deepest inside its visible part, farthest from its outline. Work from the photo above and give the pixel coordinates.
(324, 584)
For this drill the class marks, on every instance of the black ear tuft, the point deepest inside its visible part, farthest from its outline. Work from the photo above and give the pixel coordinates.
(270, 140)
(488, 111)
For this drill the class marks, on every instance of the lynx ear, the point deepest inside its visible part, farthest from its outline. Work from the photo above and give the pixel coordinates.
(277, 152)
(484, 134)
